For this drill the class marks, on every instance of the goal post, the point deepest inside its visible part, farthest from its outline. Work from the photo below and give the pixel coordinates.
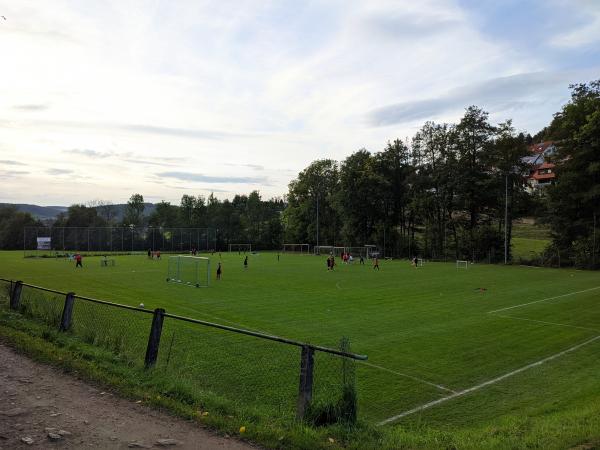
(240, 247)
(329, 250)
(357, 251)
(460, 264)
(372, 251)
(190, 270)
(296, 248)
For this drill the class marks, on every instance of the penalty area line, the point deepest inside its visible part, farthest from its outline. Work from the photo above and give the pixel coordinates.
(486, 383)
(400, 374)
(547, 323)
(544, 300)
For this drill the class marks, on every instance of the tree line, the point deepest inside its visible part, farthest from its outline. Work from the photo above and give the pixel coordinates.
(455, 190)
(245, 218)
(452, 192)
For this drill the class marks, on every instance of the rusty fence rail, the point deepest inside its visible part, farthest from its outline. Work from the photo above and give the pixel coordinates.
(270, 374)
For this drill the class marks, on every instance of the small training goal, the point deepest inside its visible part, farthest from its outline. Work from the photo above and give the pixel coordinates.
(462, 264)
(106, 262)
(240, 248)
(296, 248)
(190, 270)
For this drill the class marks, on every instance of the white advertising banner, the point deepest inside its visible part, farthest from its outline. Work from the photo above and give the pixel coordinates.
(44, 243)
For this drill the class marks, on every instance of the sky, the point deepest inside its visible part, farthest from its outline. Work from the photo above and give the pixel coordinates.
(103, 99)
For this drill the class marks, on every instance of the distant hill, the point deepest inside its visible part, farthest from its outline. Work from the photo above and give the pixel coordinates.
(41, 212)
(50, 212)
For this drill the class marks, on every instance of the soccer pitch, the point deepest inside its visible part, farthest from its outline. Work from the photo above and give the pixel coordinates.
(446, 346)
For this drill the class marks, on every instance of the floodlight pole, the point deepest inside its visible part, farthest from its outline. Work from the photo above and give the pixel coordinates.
(131, 226)
(506, 218)
(317, 219)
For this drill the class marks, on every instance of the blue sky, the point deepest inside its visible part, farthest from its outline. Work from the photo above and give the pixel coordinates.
(99, 100)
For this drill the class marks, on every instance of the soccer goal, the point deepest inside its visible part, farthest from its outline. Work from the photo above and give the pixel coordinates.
(329, 250)
(107, 262)
(190, 270)
(372, 251)
(296, 248)
(240, 247)
(462, 264)
(357, 251)
(420, 262)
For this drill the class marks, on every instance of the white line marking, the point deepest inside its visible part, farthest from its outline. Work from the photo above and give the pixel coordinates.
(486, 383)
(548, 323)
(544, 300)
(439, 386)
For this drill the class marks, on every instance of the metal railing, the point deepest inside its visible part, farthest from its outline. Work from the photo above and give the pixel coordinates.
(246, 367)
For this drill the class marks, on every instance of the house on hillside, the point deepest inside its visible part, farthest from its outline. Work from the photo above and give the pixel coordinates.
(541, 171)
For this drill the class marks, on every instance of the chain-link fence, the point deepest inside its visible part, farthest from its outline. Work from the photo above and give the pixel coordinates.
(120, 329)
(251, 371)
(5, 292)
(57, 241)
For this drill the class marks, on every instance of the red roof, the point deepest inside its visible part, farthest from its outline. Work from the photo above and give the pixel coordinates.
(543, 176)
(545, 165)
(540, 147)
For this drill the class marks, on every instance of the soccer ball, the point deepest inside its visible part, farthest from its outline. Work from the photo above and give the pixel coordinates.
(141, 305)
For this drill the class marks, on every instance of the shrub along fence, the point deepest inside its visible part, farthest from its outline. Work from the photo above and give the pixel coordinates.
(269, 375)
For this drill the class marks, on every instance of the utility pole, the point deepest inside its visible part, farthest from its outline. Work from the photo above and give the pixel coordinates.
(594, 243)
(317, 219)
(506, 218)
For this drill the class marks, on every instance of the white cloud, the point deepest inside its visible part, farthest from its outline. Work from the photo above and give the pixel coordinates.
(582, 34)
(118, 91)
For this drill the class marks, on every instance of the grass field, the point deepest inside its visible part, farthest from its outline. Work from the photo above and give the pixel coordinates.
(489, 342)
(529, 240)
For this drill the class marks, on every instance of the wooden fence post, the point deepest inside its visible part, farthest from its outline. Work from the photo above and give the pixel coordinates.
(307, 364)
(67, 314)
(154, 338)
(15, 297)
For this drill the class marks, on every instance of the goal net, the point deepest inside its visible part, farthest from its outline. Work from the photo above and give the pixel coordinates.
(240, 247)
(329, 250)
(107, 262)
(296, 248)
(462, 264)
(372, 251)
(190, 270)
(357, 252)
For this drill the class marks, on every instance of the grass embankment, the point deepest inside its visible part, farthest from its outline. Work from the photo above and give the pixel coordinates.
(529, 240)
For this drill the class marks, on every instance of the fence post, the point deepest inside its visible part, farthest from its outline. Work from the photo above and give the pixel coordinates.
(307, 364)
(67, 314)
(154, 338)
(15, 297)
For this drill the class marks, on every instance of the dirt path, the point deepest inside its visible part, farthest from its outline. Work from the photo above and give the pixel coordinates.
(40, 402)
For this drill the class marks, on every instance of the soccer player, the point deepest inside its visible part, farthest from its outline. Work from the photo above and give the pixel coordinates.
(78, 259)
(414, 261)
(149, 254)
(332, 262)
(157, 254)
(328, 263)
(219, 270)
(362, 260)
(246, 262)
(376, 263)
